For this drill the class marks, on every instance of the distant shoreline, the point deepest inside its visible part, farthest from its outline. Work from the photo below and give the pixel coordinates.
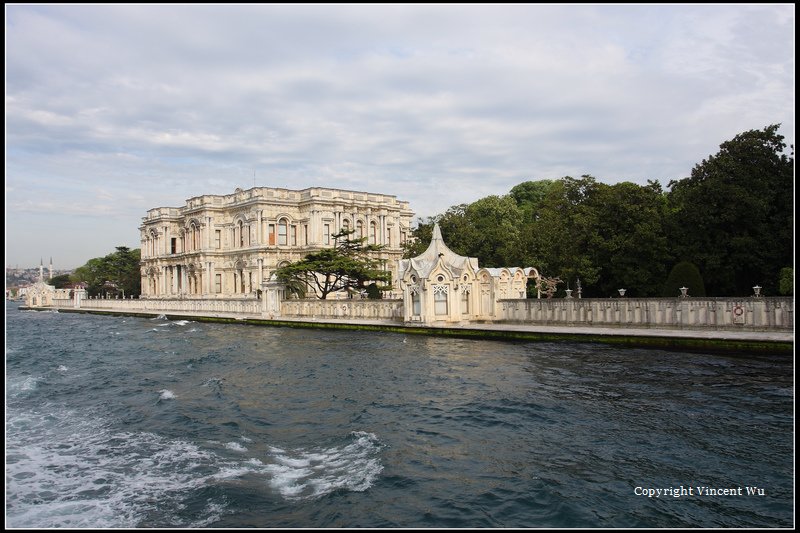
(753, 342)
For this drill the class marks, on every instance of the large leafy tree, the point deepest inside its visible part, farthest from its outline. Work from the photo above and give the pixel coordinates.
(560, 234)
(488, 229)
(733, 216)
(627, 242)
(350, 264)
(117, 273)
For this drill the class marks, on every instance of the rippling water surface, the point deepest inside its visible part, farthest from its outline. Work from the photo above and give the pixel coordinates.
(132, 422)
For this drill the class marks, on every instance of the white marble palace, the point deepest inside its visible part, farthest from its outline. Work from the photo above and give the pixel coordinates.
(226, 246)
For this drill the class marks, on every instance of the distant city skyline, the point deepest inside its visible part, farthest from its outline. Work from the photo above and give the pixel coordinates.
(112, 110)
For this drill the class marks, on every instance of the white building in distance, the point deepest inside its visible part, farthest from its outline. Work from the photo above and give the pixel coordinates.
(223, 246)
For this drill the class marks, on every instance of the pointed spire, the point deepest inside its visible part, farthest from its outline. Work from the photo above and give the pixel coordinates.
(437, 233)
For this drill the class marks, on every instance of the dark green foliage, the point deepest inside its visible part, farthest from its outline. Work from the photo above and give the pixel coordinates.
(786, 283)
(374, 292)
(59, 282)
(488, 229)
(348, 265)
(684, 274)
(733, 216)
(117, 274)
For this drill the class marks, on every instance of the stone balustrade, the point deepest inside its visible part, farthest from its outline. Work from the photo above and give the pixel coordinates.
(714, 313)
(356, 308)
(773, 314)
(251, 307)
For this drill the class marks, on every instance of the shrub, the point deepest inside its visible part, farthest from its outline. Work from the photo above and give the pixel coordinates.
(786, 281)
(684, 274)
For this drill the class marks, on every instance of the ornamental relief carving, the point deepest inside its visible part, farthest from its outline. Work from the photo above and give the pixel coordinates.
(440, 289)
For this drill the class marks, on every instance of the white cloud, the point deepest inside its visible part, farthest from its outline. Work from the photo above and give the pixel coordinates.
(438, 105)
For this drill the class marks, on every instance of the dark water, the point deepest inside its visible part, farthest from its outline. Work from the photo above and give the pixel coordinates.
(129, 422)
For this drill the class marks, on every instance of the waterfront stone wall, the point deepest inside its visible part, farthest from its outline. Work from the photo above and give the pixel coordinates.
(251, 307)
(713, 313)
(768, 314)
(362, 309)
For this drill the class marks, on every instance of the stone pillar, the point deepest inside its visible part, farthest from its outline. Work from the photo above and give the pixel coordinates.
(271, 292)
(78, 295)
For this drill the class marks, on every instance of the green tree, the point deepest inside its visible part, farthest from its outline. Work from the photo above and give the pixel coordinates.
(350, 264)
(118, 273)
(492, 232)
(733, 216)
(627, 242)
(530, 196)
(488, 229)
(59, 282)
(559, 239)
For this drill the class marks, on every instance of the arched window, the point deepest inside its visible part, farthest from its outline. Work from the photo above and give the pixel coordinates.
(241, 234)
(282, 232)
(360, 229)
(373, 233)
(440, 299)
(345, 225)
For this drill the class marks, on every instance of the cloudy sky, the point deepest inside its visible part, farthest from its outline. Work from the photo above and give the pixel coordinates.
(114, 110)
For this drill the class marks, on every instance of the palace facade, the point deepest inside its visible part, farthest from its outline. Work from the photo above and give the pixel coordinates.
(223, 246)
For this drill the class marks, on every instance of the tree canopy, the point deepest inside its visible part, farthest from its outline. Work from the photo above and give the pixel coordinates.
(732, 218)
(350, 264)
(117, 273)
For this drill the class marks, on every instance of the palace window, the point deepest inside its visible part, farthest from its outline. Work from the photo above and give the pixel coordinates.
(326, 234)
(218, 239)
(218, 283)
(440, 299)
(360, 229)
(282, 232)
(272, 234)
(293, 235)
(373, 233)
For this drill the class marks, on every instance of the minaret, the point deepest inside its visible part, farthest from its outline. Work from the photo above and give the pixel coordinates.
(51, 268)
(41, 269)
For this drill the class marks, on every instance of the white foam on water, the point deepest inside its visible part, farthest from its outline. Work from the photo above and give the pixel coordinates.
(235, 446)
(63, 471)
(22, 384)
(62, 368)
(307, 474)
(160, 317)
(166, 395)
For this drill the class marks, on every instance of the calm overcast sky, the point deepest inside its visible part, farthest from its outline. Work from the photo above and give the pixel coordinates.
(114, 110)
